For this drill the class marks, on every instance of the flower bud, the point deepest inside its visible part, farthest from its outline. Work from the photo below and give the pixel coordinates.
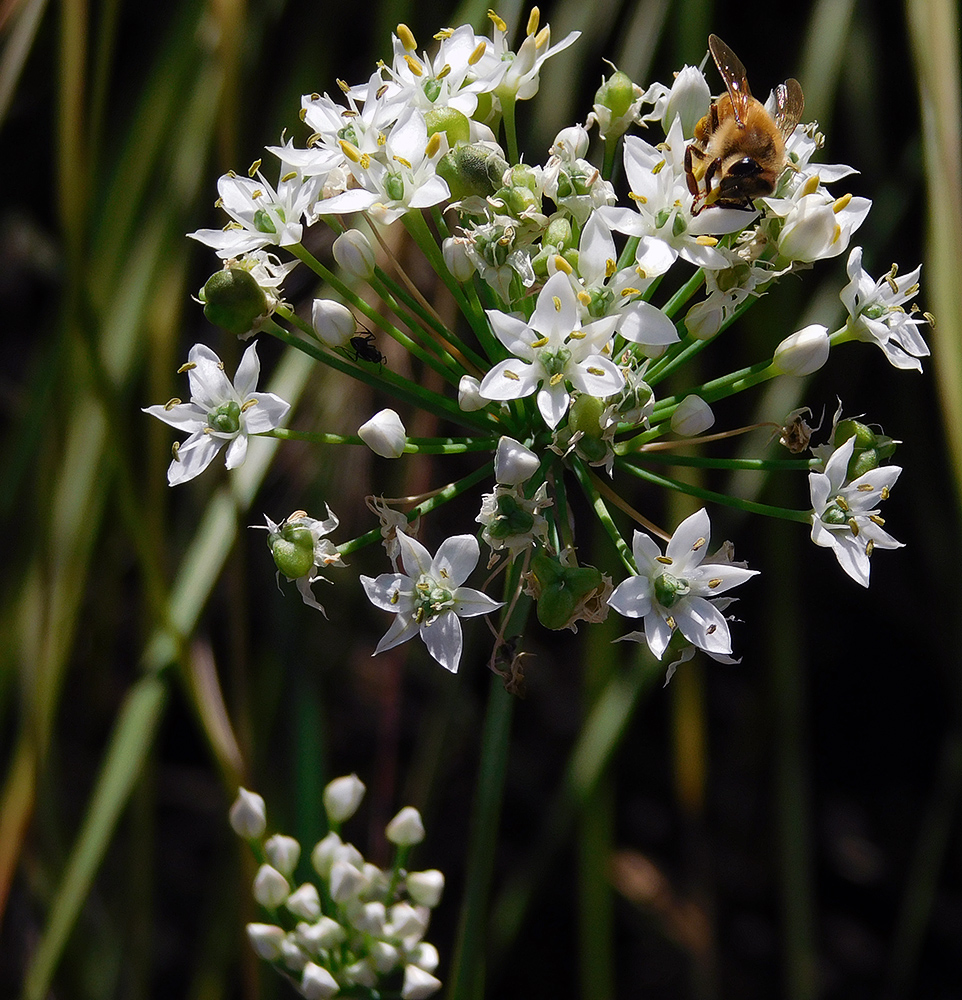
(406, 921)
(571, 142)
(469, 394)
(305, 902)
(384, 434)
(426, 887)
(425, 956)
(689, 99)
(418, 984)
(369, 918)
(317, 983)
(803, 352)
(385, 956)
(342, 797)
(333, 322)
(362, 973)
(455, 252)
(406, 829)
(354, 253)
(346, 881)
(266, 940)
(270, 887)
(322, 857)
(283, 853)
(248, 816)
(292, 954)
(692, 416)
(233, 300)
(514, 463)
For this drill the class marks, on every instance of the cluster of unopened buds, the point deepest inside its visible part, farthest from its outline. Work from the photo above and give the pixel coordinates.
(566, 332)
(352, 927)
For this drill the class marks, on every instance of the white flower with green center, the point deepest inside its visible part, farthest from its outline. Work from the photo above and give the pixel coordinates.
(428, 597)
(876, 312)
(219, 412)
(551, 351)
(677, 589)
(846, 517)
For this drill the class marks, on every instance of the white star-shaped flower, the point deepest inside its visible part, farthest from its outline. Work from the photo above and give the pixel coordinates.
(219, 412)
(876, 314)
(677, 589)
(846, 515)
(428, 598)
(551, 350)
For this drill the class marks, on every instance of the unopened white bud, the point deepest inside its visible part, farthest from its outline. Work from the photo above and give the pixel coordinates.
(292, 954)
(803, 352)
(283, 853)
(570, 142)
(384, 434)
(469, 394)
(406, 829)
(407, 922)
(692, 416)
(426, 887)
(333, 322)
(270, 887)
(322, 857)
(455, 252)
(266, 940)
(305, 902)
(248, 817)
(689, 99)
(323, 935)
(342, 797)
(354, 253)
(346, 881)
(424, 956)
(418, 983)
(370, 918)
(361, 973)
(514, 463)
(384, 956)
(317, 983)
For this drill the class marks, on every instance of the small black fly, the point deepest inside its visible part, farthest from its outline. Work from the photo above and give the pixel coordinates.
(366, 349)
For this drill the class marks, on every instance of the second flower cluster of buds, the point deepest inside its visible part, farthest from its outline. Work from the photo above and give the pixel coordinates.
(351, 926)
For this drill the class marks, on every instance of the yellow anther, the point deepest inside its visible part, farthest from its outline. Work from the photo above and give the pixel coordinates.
(557, 303)
(698, 544)
(837, 235)
(344, 85)
(642, 273)
(381, 91)
(811, 185)
(541, 342)
(577, 335)
(349, 113)
(584, 298)
(396, 596)
(257, 193)
(533, 18)
(403, 162)
(313, 138)
(711, 629)
(626, 293)
(930, 319)
(365, 161)
(248, 404)
(841, 504)
(406, 37)
(865, 488)
(175, 451)
(350, 150)
(853, 527)
(561, 264)
(477, 54)
(511, 375)
(884, 493)
(302, 114)
(556, 378)
(253, 168)
(414, 65)
(712, 584)
(610, 267)
(670, 622)
(706, 241)
(658, 167)
(841, 203)
(542, 38)
(496, 21)
(433, 146)
(443, 34)
(877, 519)
(444, 71)
(640, 198)
(381, 139)
(870, 547)
(666, 560)
(220, 365)
(289, 176)
(890, 281)
(172, 402)
(596, 371)
(186, 367)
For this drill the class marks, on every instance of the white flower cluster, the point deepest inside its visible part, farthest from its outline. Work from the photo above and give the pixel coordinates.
(356, 925)
(563, 343)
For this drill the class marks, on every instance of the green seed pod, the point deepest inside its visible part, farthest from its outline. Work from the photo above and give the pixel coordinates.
(862, 462)
(585, 415)
(451, 122)
(233, 300)
(864, 435)
(293, 550)
(472, 169)
(559, 234)
(616, 93)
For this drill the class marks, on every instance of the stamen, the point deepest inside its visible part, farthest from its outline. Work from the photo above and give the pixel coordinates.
(406, 37)
(186, 367)
(841, 203)
(584, 298)
(658, 167)
(253, 168)
(444, 71)
(557, 303)
(877, 519)
(248, 404)
(434, 144)
(396, 596)
(670, 622)
(403, 162)
(561, 264)
(289, 176)
(533, 18)
(853, 526)
(496, 21)
(706, 241)
(628, 292)
(577, 335)
(698, 544)
(811, 185)
(712, 584)
(841, 503)
(884, 493)
(344, 85)
(666, 560)
(477, 54)
(542, 38)
(541, 342)
(556, 378)
(256, 193)
(414, 65)
(172, 402)
(175, 451)
(610, 267)
(865, 488)
(870, 547)
(511, 375)
(711, 629)
(600, 372)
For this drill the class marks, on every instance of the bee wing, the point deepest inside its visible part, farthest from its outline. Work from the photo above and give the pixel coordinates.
(789, 105)
(733, 73)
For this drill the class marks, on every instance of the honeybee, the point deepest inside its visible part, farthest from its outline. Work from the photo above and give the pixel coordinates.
(738, 142)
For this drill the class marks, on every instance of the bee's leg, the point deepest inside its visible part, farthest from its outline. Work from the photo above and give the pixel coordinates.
(690, 173)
